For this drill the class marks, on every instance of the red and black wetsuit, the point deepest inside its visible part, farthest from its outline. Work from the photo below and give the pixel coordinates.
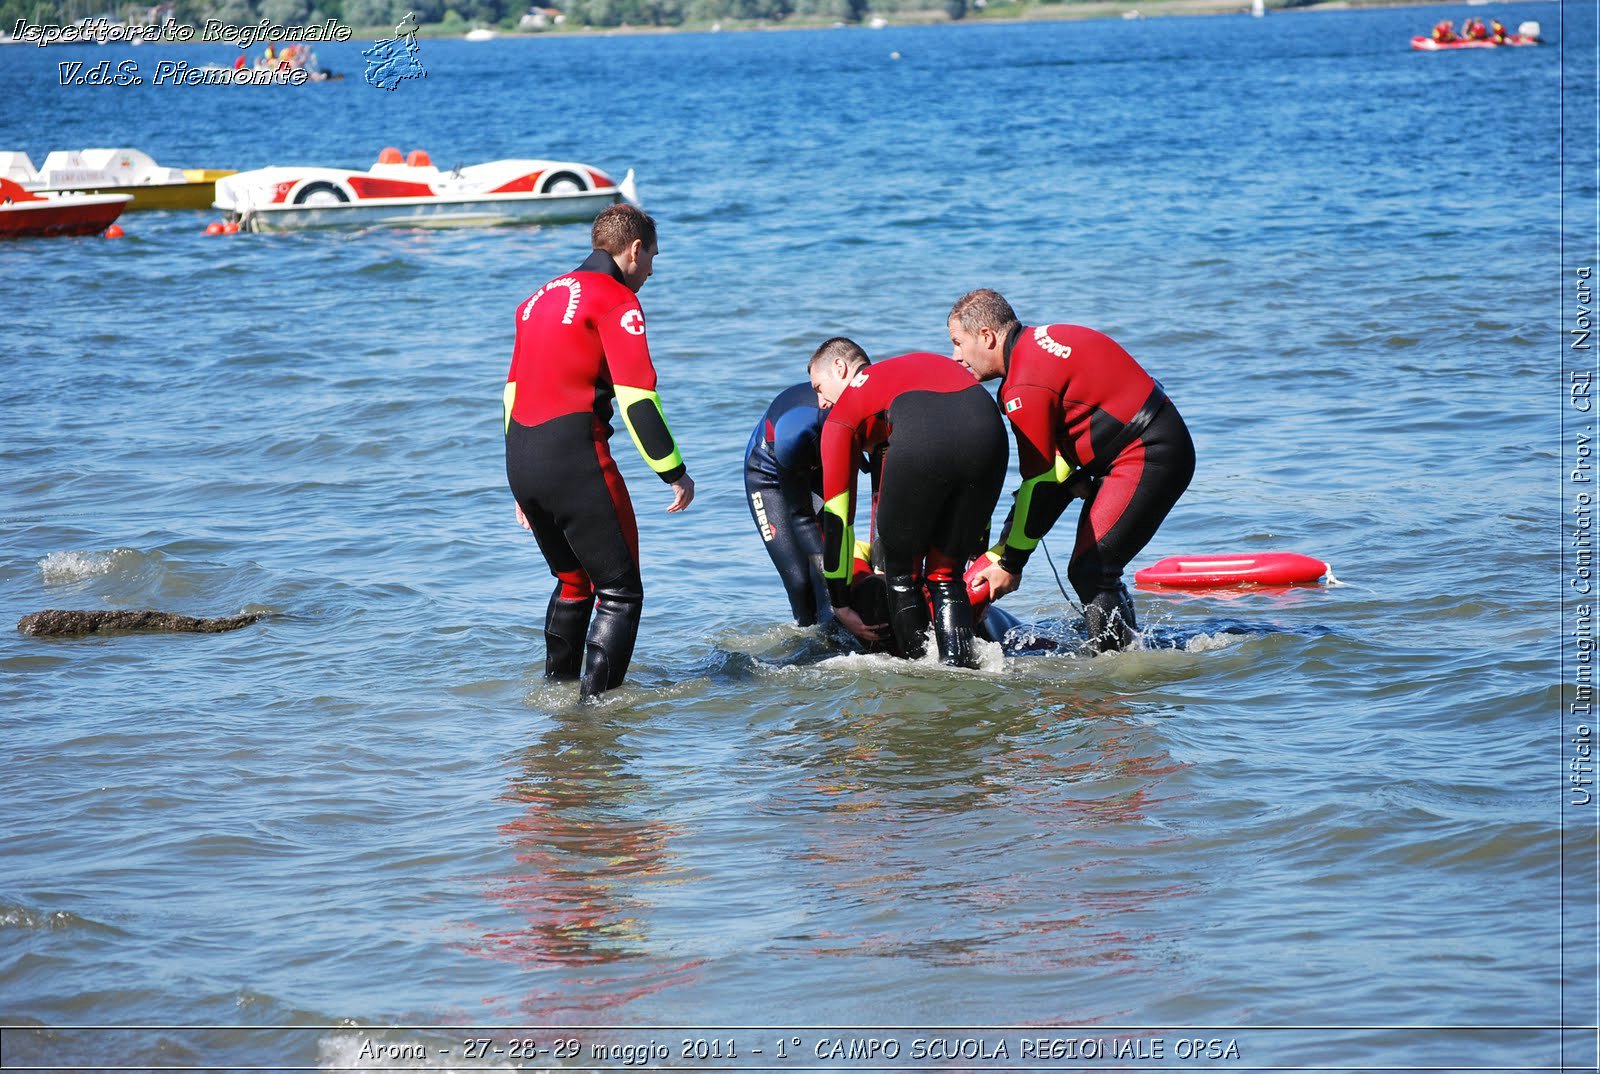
(1078, 402)
(944, 461)
(580, 343)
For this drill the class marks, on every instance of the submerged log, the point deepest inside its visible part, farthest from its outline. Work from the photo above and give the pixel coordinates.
(64, 623)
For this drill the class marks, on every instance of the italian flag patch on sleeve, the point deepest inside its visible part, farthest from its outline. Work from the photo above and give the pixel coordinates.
(1013, 404)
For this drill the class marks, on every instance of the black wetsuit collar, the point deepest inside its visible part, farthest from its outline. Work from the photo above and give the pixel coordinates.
(602, 262)
(1011, 341)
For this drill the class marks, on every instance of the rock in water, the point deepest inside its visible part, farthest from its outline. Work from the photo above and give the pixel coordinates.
(64, 623)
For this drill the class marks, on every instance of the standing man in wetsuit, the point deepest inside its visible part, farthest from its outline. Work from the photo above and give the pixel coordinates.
(1090, 422)
(943, 451)
(580, 344)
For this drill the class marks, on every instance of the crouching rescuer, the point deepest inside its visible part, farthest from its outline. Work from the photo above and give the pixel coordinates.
(1090, 423)
(942, 450)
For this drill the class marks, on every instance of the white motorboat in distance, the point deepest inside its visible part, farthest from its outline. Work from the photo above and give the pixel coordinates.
(414, 193)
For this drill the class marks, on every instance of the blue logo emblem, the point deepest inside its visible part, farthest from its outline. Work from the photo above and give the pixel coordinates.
(394, 59)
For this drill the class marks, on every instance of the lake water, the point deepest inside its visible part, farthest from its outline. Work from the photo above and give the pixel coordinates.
(1314, 822)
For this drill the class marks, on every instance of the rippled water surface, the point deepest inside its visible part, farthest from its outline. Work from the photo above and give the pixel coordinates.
(1327, 806)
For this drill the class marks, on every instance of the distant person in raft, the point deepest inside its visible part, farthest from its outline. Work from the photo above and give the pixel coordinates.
(580, 344)
(1089, 422)
(1444, 31)
(937, 487)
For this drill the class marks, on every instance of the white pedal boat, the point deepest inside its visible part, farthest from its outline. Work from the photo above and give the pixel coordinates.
(414, 193)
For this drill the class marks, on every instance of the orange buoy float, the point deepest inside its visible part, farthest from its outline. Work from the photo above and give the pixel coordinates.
(1245, 568)
(114, 231)
(231, 227)
(214, 228)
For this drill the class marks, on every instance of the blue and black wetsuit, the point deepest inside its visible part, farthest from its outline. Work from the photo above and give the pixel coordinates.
(783, 483)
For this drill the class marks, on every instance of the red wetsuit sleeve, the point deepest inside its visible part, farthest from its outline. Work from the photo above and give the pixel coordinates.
(633, 376)
(627, 350)
(1035, 415)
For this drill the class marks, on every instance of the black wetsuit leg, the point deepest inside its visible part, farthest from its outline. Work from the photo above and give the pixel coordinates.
(574, 498)
(566, 617)
(942, 473)
(793, 538)
(1119, 517)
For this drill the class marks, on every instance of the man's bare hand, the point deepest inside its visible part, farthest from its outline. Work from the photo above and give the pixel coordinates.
(682, 493)
(999, 580)
(522, 519)
(852, 622)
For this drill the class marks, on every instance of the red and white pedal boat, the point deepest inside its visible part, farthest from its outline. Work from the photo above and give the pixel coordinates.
(24, 213)
(414, 193)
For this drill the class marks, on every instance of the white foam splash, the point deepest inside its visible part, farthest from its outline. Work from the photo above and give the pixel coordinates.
(18, 918)
(1205, 643)
(991, 655)
(991, 658)
(62, 568)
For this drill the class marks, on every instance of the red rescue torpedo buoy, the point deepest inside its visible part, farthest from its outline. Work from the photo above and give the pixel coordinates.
(1246, 568)
(977, 592)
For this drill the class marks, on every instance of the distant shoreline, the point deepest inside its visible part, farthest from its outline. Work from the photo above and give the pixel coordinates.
(1002, 13)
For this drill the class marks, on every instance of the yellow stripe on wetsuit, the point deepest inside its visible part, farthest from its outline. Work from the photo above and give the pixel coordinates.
(1016, 537)
(843, 566)
(647, 425)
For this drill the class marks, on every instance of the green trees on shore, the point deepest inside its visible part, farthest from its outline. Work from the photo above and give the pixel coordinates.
(451, 16)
